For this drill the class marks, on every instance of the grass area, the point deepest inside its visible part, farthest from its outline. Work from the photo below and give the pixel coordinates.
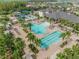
(11, 0)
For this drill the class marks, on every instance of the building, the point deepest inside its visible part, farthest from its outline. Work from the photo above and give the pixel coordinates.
(61, 14)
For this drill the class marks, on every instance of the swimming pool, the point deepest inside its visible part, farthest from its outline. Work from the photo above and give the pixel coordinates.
(39, 28)
(49, 39)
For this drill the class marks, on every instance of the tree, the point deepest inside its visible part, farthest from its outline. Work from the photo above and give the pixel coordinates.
(16, 55)
(33, 48)
(18, 48)
(31, 37)
(9, 7)
(10, 46)
(19, 44)
(50, 20)
(29, 25)
(37, 42)
(69, 53)
(65, 37)
(66, 34)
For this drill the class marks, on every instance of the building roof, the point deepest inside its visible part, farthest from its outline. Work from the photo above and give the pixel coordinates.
(30, 17)
(61, 14)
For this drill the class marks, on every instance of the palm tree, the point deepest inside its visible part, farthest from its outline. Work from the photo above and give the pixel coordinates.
(33, 48)
(60, 56)
(69, 53)
(50, 20)
(67, 34)
(16, 55)
(63, 22)
(37, 42)
(18, 48)
(63, 35)
(22, 21)
(31, 37)
(29, 25)
(19, 43)
(76, 27)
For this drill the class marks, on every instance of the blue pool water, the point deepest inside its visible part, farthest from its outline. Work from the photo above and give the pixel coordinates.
(51, 38)
(38, 28)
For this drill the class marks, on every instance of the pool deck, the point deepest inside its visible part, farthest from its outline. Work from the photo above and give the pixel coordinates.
(55, 48)
(52, 50)
(43, 54)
